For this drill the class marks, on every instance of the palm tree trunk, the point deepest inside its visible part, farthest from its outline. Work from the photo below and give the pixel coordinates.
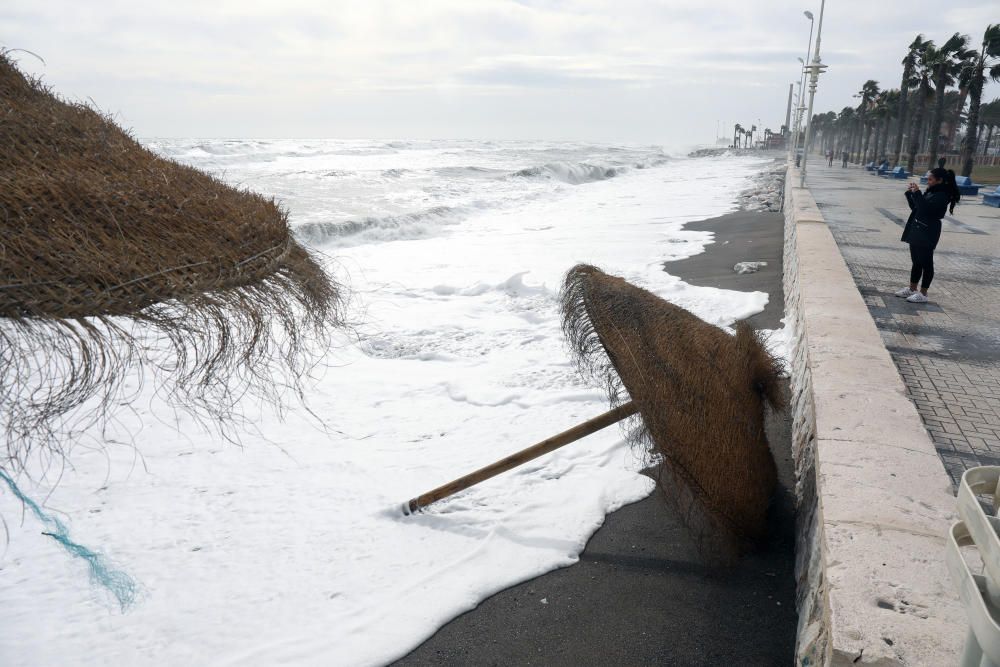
(866, 134)
(936, 119)
(954, 122)
(972, 133)
(878, 137)
(918, 121)
(884, 148)
(901, 114)
(856, 141)
(989, 138)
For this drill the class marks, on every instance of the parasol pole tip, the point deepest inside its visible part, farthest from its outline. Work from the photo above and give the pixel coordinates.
(410, 507)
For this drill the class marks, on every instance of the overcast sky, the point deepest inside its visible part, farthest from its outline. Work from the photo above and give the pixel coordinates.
(624, 70)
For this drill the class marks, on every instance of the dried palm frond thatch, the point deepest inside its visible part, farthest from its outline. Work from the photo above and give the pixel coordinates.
(701, 394)
(111, 254)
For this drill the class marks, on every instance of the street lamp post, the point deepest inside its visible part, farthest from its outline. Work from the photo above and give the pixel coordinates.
(786, 133)
(799, 106)
(800, 98)
(815, 69)
(794, 130)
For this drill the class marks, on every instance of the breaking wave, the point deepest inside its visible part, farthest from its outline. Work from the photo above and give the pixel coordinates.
(578, 173)
(387, 228)
(569, 172)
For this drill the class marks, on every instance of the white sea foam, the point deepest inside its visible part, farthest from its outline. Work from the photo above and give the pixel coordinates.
(289, 549)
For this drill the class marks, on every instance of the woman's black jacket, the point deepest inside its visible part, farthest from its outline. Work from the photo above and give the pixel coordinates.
(923, 227)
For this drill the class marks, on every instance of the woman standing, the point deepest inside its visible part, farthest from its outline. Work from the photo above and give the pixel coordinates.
(923, 229)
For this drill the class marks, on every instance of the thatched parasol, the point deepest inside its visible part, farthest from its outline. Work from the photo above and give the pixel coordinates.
(701, 394)
(108, 250)
(697, 396)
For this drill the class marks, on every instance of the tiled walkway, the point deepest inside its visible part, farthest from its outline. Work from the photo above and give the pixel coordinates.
(948, 350)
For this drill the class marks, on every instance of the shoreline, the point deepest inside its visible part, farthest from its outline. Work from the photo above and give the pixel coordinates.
(639, 593)
(742, 236)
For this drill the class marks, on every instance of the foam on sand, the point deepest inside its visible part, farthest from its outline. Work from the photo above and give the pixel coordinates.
(288, 549)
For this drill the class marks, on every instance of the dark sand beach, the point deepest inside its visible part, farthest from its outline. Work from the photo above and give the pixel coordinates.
(640, 594)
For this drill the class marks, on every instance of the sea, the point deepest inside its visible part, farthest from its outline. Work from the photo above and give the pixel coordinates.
(288, 546)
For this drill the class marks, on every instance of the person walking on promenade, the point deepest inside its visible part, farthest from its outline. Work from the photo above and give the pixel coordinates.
(923, 229)
(829, 157)
(843, 158)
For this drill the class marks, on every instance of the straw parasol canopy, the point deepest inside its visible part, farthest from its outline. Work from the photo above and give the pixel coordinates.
(701, 395)
(112, 258)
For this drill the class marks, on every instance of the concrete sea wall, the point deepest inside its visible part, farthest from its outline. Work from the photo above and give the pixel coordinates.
(874, 498)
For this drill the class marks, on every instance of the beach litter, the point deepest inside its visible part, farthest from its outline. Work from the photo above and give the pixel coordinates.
(695, 396)
(115, 259)
(748, 267)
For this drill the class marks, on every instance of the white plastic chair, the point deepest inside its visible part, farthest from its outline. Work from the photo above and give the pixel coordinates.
(980, 594)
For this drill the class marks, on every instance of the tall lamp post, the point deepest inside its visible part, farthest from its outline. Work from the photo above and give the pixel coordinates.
(802, 86)
(795, 120)
(815, 69)
(787, 131)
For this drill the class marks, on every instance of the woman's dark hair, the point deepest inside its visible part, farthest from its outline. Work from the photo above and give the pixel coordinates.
(947, 176)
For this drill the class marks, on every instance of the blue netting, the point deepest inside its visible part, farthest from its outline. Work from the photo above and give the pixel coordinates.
(122, 586)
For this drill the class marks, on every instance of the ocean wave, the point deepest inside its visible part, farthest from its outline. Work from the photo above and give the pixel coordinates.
(230, 147)
(470, 171)
(574, 173)
(406, 226)
(362, 152)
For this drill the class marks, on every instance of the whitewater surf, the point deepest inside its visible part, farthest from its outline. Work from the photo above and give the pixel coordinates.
(281, 549)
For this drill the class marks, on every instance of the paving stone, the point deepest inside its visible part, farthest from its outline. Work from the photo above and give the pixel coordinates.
(947, 351)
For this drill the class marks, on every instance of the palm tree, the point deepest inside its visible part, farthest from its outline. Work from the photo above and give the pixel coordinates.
(737, 132)
(823, 127)
(845, 125)
(985, 63)
(989, 116)
(945, 63)
(867, 94)
(953, 117)
(922, 72)
(890, 109)
(830, 130)
(880, 117)
(909, 64)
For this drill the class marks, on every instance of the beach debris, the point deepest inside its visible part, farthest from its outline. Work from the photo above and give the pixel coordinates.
(112, 253)
(118, 583)
(748, 267)
(568, 436)
(701, 393)
(695, 397)
(120, 268)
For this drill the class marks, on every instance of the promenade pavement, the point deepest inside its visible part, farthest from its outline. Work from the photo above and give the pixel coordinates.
(947, 350)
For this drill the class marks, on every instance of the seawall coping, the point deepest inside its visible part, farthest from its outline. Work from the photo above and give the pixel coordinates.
(874, 499)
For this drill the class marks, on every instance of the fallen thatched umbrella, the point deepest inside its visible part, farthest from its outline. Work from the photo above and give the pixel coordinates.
(108, 250)
(697, 394)
(113, 259)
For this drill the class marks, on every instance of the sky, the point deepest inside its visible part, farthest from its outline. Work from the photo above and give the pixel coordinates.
(635, 71)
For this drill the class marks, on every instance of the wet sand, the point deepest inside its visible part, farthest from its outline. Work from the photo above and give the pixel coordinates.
(640, 594)
(740, 237)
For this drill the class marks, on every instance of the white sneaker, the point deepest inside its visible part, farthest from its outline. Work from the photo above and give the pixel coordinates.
(905, 293)
(917, 297)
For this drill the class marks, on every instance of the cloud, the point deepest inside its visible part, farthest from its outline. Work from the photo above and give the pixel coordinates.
(547, 72)
(650, 71)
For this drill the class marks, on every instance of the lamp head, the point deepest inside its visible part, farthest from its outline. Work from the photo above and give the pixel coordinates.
(809, 14)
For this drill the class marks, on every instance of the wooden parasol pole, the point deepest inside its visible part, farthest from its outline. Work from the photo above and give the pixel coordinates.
(523, 456)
